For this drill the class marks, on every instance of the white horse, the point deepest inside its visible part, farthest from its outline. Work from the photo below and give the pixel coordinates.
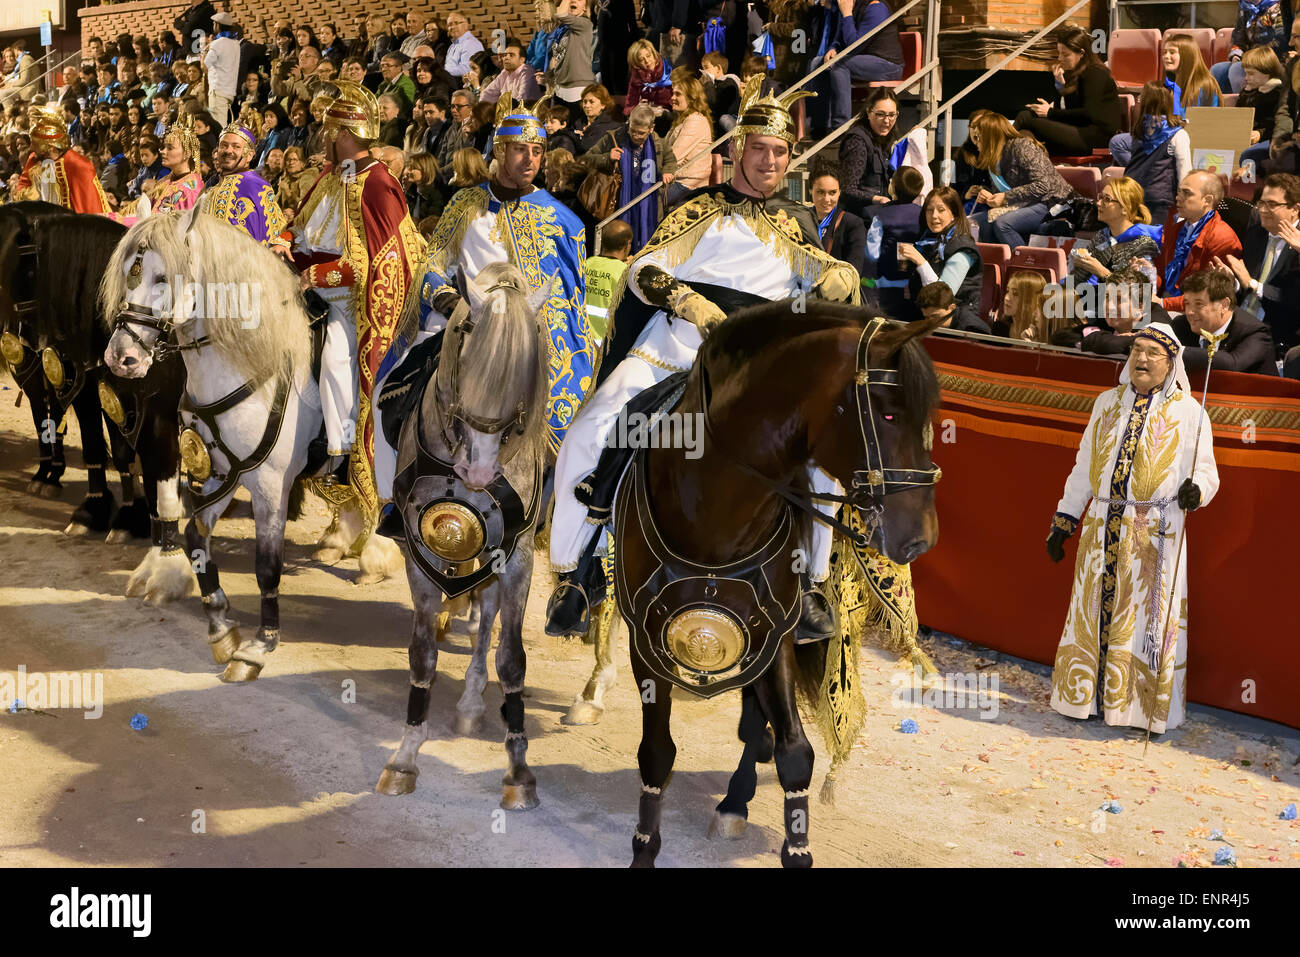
(232, 308)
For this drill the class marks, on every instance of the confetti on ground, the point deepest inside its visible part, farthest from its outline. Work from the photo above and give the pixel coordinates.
(1226, 856)
(1111, 807)
(1288, 812)
(908, 726)
(139, 721)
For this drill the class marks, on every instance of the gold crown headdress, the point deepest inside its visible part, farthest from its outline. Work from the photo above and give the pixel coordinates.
(354, 109)
(765, 115)
(47, 126)
(516, 125)
(183, 129)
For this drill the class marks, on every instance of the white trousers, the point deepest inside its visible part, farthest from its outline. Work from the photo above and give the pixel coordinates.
(339, 391)
(585, 440)
(219, 107)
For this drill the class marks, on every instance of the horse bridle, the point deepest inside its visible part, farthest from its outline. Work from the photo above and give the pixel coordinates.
(868, 487)
(128, 315)
(513, 425)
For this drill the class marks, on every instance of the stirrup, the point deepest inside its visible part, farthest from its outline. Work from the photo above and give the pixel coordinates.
(567, 602)
(809, 629)
(338, 475)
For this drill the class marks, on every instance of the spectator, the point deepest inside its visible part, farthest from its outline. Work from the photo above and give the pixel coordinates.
(208, 131)
(1204, 235)
(880, 58)
(873, 148)
(1269, 253)
(617, 30)
(559, 135)
(1186, 74)
(423, 198)
(397, 83)
(480, 73)
(640, 157)
(151, 166)
(598, 117)
(1092, 113)
(143, 49)
(304, 36)
(298, 132)
(74, 90)
(721, 92)
(1259, 23)
(842, 234)
(222, 62)
(1025, 184)
(1126, 305)
(160, 80)
(650, 80)
(434, 109)
(470, 168)
(480, 127)
(198, 87)
(332, 46)
(128, 78)
(1021, 314)
(429, 79)
(275, 133)
(515, 78)
(947, 253)
(1211, 309)
(168, 48)
(463, 45)
(1262, 91)
(455, 138)
(195, 23)
(272, 169)
(392, 158)
(568, 70)
(416, 37)
(936, 300)
(688, 138)
(1158, 153)
(788, 30)
(392, 127)
(603, 271)
(894, 222)
(538, 54)
(1126, 234)
(296, 179)
(257, 93)
(353, 70)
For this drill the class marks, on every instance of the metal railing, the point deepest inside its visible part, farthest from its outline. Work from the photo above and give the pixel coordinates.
(708, 150)
(51, 72)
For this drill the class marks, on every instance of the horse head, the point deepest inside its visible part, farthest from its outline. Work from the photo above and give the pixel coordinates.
(492, 376)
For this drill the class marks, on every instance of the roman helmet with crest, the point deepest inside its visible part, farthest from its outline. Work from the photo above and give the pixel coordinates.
(765, 115)
(47, 127)
(354, 109)
(515, 125)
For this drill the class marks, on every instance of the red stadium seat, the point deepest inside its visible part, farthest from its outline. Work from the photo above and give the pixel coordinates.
(1134, 57)
(1130, 108)
(1110, 172)
(1204, 37)
(991, 291)
(1222, 45)
(1086, 180)
(911, 43)
(1048, 261)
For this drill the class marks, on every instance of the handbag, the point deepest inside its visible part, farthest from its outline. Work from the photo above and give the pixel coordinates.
(599, 192)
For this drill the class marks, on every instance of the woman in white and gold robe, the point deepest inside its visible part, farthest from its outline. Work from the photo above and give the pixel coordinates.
(1140, 466)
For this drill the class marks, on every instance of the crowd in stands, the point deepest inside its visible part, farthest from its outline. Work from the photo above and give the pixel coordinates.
(631, 98)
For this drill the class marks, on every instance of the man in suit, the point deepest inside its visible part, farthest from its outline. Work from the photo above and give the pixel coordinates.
(842, 233)
(1268, 272)
(1210, 299)
(1202, 238)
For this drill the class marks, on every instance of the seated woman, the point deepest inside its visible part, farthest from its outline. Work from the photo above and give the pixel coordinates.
(1188, 81)
(597, 117)
(689, 136)
(1092, 113)
(650, 81)
(1025, 183)
(1160, 151)
(874, 148)
(1024, 315)
(1127, 233)
(947, 253)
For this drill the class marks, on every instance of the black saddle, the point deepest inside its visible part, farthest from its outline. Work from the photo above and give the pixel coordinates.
(404, 386)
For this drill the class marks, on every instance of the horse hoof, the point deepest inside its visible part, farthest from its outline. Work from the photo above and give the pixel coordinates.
(369, 578)
(395, 781)
(519, 797)
(49, 490)
(76, 530)
(796, 857)
(118, 536)
(469, 723)
(225, 646)
(328, 556)
(729, 826)
(34, 487)
(583, 712)
(237, 670)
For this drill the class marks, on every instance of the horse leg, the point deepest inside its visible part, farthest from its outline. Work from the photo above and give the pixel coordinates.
(379, 558)
(44, 440)
(589, 706)
(733, 811)
(655, 759)
(469, 710)
(400, 772)
(223, 633)
(330, 548)
(95, 513)
(519, 786)
(270, 508)
(167, 573)
(132, 519)
(51, 487)
(794, 755)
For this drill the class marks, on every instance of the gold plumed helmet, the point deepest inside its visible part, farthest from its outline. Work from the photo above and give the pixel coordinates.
(354, 109)
(47, 126)
(765, 115)
(516, 124)
(183, 129)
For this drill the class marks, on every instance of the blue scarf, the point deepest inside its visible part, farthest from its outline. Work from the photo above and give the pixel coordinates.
(660, 83)
(1156, 132)
(226, 33)
(715, 35)
(830, 27)
(1178, 96)
(897, 155)
(930, 240)
(824, 224)
(644, 216)
(1187, 237)
(1250, 12)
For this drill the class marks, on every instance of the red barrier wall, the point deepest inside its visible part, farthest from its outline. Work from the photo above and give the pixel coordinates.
(1014, 419)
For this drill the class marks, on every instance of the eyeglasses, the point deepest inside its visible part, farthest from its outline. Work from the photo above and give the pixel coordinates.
(1271, 204)
(1103, 198)
(883, 116)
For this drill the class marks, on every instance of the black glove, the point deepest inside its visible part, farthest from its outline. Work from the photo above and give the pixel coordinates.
(1056, 544)
(1189, 496)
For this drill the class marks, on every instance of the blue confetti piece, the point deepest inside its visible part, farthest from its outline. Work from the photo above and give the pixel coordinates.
(908, 726)
(1226, 856)
(18, 705)
(1288, 812)
(1112, 807)
(1216, 835)
(139, 721)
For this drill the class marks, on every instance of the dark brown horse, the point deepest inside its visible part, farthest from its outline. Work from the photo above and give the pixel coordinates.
(775, 391)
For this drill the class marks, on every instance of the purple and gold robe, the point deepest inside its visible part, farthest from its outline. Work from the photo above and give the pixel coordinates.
(247, 201)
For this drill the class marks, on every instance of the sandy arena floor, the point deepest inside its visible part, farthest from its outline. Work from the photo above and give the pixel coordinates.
(283, 770)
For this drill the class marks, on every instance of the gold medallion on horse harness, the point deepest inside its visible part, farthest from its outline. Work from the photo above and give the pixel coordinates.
(53, 366)
(452, 531)
(11, 347)
(876, 477)
(111, 404)
(194, 455)
(705, 640)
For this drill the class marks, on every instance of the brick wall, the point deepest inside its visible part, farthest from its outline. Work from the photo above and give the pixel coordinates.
(964, 23)
(151, 16)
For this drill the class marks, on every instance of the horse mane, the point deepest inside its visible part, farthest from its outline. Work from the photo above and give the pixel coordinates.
(17, 220)
(82, 245)
(509, 345)
(215, 253)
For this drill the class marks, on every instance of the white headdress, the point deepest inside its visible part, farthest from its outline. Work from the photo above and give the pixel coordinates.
(1163, 334)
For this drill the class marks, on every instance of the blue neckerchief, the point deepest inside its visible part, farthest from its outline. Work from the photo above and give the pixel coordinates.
(660, 83)
(1187, 237)
(938, 242)
(1253, 11)
(1156, 132)
(1000, 185)
(1178, 95)
(821, 227)
(226, 33)
(830, 27)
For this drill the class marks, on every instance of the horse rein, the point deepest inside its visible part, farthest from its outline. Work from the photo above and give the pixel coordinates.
(868, 487)
(128, 315)
(514, 425)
